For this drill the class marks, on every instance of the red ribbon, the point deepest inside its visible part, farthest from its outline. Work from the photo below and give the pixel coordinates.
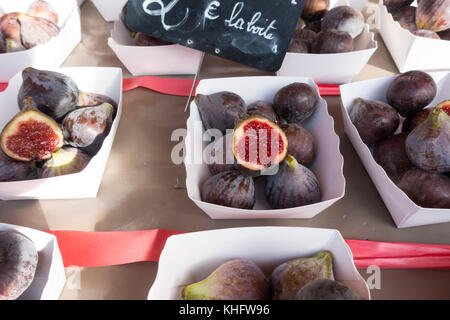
(98, 249)
(3, 86)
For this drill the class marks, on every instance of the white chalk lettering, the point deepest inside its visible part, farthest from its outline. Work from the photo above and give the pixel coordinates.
(163, 11)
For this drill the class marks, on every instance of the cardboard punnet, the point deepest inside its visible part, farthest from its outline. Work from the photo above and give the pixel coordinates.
(328, 165)
(332, 68)
(191, 257)
(152, 60)
(110, 9)
(85, 184)
(50, 278)
(403, 210)
(411, 52)
(358, 4)
(80, 2)
(48, 55)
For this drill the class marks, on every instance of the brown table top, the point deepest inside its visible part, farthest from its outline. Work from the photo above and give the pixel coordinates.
(138, 190)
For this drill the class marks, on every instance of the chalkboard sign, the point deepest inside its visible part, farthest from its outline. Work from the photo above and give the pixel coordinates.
(253, 32)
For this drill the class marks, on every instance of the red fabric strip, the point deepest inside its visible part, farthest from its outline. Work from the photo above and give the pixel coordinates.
(95, 249)
(3, 86)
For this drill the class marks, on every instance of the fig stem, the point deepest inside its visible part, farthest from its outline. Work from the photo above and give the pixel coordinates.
(291, 161)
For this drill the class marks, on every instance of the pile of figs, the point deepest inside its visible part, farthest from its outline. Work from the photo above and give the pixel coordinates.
(417, 157)
(305, 278)
(430, 19)
(20, 31)
(262, 140)
(18, 263)
(58, 129)
(322, 30)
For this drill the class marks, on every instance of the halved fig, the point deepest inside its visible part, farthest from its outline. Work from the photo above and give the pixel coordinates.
(87, 127)
(258, 143)
(34, 30)
(433, 15)
(55, 94)
(43, 9)
(13, 170)
(67, 160)
(31, 135)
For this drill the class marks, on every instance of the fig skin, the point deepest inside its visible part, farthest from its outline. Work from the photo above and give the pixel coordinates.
(390, 153)
(298, 46)
(326, 289)
(426, 34)
(296, 102)
(88, 99)
(263, 109)
(221, 157)
(411, 92)
(87, 128)
(13, 170)
(344, 18)
(444, 35)
(292, 186)
(426, 189)
(393, 5)
(18, 262)
(55, 94)
(332, 41)
(289, 277)
(301, 143)
(67, 160)
(315, 9)
(373, 119)
(221, 110)
(413, 121)
(406, 17)
(300, 25)
(315, 26)
(43, 9)
(428, 144)
(433, 15)
(230, 189)
(10, 29)
(238, 279)
(143, 40)
(305, 36)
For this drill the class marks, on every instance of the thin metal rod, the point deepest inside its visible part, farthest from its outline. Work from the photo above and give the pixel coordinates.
(195, 80)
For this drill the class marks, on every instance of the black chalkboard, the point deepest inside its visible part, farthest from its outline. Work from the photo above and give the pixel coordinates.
(253, 32)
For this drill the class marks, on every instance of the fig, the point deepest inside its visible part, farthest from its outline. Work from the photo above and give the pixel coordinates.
(31, 135)
(298, 46)
(410, 92)
(263, 109)
(315, 26)
(315, 9)
(221, 110)
(259, 143)
(332, 41)
(393, 5)
(300, 25)
(426, 189)
(390, 153)
(238, 279)
(230, 189)
(426, 34)
(87, 99)
(288, 278)
(305, 36)
(413, 121)
(344, 18)
(406, 17)
(292, 186)
(373, 119)
(3, 48)
(88, 127)
(34, 30)
(433, 15)
(295, 102)
(67, 160)
(428, 144)
(55, 94)
(13, 170)
(10, 28)
(221, 157)
(444, 35)
(43, 9)
(18, 263)
(326, 289)
(301, 143)
(143, 40)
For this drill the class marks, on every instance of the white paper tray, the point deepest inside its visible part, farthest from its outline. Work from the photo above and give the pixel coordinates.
(50, 278)
(85, 184)
(403, 210)
(328, 165)
(109, 9)
(48, 55)
(191, 257)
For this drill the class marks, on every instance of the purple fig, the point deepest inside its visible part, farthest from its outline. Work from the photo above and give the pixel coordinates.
(296, 102)
(433, 15)
(344, 18)
(315, 26)
(87, 99)
(413, 121)
(426, 189)
(298, 46)
(390, 153)
(332, 41)
(326, 289)
(143, 40)
(13, 170)
(444, 35)
(406, 17)
(428, 144)
(306, 36)
(221, 158)
(374, 120)
(67, 160)
(263, 109)
(393, 5)
(300, 143)
(315, 9)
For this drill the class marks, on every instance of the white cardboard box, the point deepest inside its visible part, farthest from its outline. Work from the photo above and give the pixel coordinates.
(403, 210)
(358, 4)
(152, 60)
(332, 68)
(411, 52)
(48, 55)
(85, 184)
(328, 165)
(191, 257)
(50, 278)
(110, 9)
